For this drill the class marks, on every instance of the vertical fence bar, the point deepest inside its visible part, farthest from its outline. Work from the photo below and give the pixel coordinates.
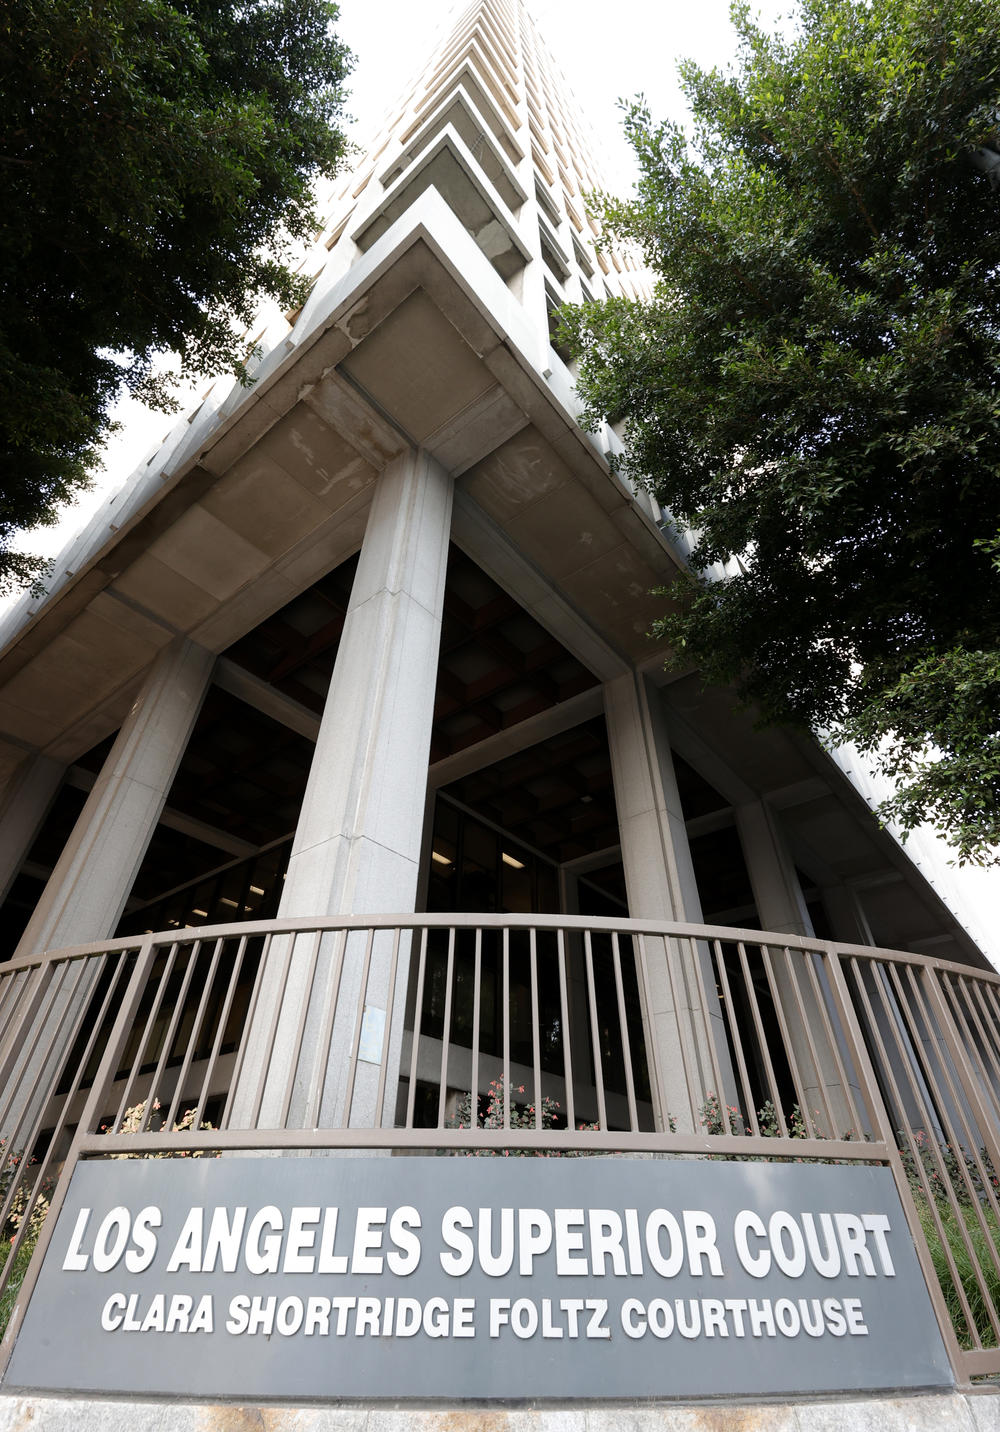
(272, 1033)
(595, 1032)
(706, 1019)
(969, 1088)
(352, 1068)
(567, 1039)
(832, 1042)
(946, 1124)
(881, 1124)
(40, 1172)
(192, 1042)
(113, 1049)
(31, 1051)
(507, 1092)
(303, 1019)
(806, 1023)
(477, 983)
(10, 984)
(170, 1034)
(917, 1161)
(43, 1093)
(845, 1009)
(536, 1053)
(148, 1028)
(446, 1028)
(690, 1082)
(314, 1103)
(786, 1039)
(213, 1056)
(390, 1005)
(989, 996)
(23, 1012)
(737, 1042)
(249, 1024)
(977, 1012)
(411, 1093)
(633, 1112)
(17, 1066)
(762, 1045)
(973, 1085)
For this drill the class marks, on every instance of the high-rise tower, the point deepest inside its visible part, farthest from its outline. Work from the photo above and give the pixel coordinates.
(428, 331)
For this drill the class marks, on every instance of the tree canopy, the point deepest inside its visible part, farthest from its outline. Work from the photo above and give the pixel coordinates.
(814, 389)
(156, 160)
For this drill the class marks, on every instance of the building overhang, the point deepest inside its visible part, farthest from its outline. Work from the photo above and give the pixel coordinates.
(419, 343)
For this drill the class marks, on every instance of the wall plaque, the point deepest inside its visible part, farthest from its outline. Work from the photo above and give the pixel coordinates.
(478, 1278)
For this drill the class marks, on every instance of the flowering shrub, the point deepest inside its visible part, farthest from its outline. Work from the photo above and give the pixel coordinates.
(713, 1114)
(22, 1199)
(712, 1118)
(132, 1124)
(521, 1116)
(961, 1171)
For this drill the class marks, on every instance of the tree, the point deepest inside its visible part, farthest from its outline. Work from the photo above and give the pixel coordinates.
(156, 160)
(814, 389)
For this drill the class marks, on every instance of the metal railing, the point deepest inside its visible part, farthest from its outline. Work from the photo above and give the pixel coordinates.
(520, 1034)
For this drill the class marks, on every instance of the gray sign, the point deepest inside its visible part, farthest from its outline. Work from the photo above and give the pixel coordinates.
(478, 1278)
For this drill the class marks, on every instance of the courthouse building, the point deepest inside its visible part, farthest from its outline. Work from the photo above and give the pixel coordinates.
(370, 638)
(356, 633)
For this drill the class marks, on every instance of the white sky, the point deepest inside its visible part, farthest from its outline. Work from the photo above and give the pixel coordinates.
(607, 50)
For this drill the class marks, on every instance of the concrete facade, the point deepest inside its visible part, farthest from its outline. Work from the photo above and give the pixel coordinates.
(425, 334)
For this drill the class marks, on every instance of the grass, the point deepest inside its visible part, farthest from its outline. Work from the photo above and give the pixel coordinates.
(973, 1253)
(16, 1277)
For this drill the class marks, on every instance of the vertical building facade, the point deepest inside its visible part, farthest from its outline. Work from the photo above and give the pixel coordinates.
(399, 534)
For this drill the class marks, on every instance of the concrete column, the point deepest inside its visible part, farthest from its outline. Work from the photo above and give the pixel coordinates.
(358, 841)
(776, 889)
(86, 893)
(660, 881)
(846, 915)
(782, 910)
(659, 875)
(32, 792)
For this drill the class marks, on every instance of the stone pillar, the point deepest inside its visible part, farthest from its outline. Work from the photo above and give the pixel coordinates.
(846, 915)
(32, 792)
(782, 910)
(660, 881)
(358, 841)
(87, 890)
(776, 889)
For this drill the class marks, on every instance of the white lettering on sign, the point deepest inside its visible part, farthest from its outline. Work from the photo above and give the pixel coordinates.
(583, 1241)
(838, 1245)
(595, 1242)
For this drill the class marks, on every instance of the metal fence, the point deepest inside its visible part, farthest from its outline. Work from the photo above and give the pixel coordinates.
(506, 1034)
